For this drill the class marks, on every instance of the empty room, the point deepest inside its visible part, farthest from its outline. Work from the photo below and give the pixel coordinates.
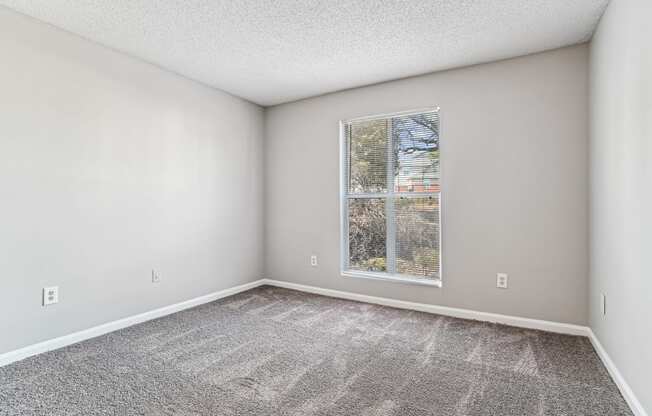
(362, 207)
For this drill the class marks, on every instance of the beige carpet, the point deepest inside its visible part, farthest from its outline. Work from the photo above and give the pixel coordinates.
(273, 351)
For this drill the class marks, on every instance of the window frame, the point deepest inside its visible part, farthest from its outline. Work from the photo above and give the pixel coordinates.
(388, 196)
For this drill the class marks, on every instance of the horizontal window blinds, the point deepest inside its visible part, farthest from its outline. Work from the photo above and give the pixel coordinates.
(391, 201)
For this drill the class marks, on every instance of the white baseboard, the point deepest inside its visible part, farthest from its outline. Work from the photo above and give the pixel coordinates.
(557, 327)
(96, 331)
(625, 390)
(549, 326)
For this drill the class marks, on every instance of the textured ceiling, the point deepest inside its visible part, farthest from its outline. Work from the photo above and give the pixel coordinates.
(271, 52)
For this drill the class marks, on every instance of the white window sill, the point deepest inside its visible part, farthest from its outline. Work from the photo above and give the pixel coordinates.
(392, 278)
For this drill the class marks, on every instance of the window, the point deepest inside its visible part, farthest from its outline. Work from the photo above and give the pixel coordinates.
(391, 197)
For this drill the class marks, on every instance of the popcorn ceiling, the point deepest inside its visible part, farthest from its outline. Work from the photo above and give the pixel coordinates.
(271, 52)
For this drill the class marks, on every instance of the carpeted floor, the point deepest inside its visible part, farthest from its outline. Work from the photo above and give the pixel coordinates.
(272, 351)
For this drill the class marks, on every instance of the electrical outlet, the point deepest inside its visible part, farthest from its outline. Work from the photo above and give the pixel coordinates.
(155, 277)
(501, 280)
(603, 303)
(50, 295)
(313, 260)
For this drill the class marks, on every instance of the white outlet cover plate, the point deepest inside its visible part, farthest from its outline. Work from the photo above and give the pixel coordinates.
(50, 295)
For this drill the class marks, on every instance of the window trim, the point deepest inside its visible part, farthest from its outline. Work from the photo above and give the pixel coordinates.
(344, 235)
(395, 278)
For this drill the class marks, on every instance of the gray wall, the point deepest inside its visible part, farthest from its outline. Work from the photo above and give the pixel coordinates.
(110, 167)
(621, 190)
(515, 185)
